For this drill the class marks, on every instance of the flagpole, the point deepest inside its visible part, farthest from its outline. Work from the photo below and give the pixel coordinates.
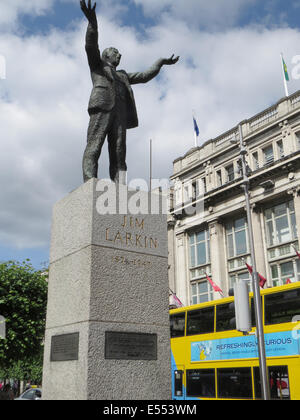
(178, 301)
(214, 286)
(255, 283)
(196, 139)
(298, 254)
(150, 170)
(283, 74)
(195, 134)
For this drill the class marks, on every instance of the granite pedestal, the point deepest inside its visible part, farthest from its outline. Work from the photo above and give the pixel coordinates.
(107, 330)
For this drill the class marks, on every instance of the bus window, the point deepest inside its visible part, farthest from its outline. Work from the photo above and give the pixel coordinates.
(178, 377)
(234, 383)
(225, 317)
(253, 319)
(177, 324)
(200, 321)
(257, 383)
(282, 307)
(279, 383)
(201, 383)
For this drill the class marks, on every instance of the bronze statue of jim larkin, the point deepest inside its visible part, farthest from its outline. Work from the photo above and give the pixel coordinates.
(111, 107)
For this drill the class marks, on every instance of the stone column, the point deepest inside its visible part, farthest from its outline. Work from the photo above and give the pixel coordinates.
(182, 283)
(171, 254)
(218, 257)
(107, 330)
(295, 193)
(258, 230)
(297, 213)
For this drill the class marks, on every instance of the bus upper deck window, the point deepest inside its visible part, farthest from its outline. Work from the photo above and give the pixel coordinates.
(200, 321)
(177, 325)
(282, 307)
(225, 317)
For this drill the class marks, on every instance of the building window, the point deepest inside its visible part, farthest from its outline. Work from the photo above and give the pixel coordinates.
(268, 155)
(281, 233)
(203, 186)
(230, 173)
(298, 140)
(219, 178)
(245, 276)
(237, 237)
(255, 161)
(178, 193)
(187, 192)
(280, 149)
(195, 191)
(199, 248)
(199, 245)
(285, 272)
(281, 223)
(285, 250)
(201, 292)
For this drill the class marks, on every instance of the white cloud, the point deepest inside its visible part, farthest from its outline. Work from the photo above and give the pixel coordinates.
(211, 14)
(224, 76)
(11, 9)
(42, 131)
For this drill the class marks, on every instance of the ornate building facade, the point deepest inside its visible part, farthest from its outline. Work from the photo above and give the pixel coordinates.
(208, 229)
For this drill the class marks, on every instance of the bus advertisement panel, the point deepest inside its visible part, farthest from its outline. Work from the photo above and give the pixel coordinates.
(277, 345)
(211, 360)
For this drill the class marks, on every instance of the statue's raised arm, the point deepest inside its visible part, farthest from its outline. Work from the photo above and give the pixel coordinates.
(170, 61)
(91, 39)
(111, 106)
(147, 75)
(89, 11)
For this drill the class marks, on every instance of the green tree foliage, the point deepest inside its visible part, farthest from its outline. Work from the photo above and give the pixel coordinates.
(23, 298)
(26, 369)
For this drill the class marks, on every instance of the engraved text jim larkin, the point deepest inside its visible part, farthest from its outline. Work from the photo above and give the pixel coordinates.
(132, 239)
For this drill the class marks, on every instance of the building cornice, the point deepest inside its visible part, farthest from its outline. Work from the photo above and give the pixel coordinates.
(256, 126)
(281, 167)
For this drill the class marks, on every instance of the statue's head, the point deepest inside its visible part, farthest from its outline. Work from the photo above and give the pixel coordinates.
(111, 55)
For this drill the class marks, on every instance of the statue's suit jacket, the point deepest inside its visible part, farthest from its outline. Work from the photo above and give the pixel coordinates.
(103, 95)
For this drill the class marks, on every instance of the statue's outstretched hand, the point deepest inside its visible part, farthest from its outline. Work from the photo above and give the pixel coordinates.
(170, 61)
(88, 10)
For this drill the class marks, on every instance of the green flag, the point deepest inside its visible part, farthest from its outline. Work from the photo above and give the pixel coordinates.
(285, 70)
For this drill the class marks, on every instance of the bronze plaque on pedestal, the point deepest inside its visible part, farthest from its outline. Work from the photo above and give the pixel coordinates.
(130, 346)
(64, 347)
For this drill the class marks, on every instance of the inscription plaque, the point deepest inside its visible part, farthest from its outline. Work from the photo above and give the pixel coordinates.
(130, 346)
(64, 347)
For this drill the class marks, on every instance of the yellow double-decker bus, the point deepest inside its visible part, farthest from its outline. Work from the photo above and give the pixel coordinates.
(211, 360)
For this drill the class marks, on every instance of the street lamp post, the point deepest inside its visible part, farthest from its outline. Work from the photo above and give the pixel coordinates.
(255, 283)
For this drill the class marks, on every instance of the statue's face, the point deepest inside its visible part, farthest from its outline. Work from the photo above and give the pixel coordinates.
(113, 56)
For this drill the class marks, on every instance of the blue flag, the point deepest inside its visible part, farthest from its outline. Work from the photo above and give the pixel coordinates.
(196, 128)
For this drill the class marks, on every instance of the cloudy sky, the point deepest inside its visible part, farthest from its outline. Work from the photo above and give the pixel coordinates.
(229, 70)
